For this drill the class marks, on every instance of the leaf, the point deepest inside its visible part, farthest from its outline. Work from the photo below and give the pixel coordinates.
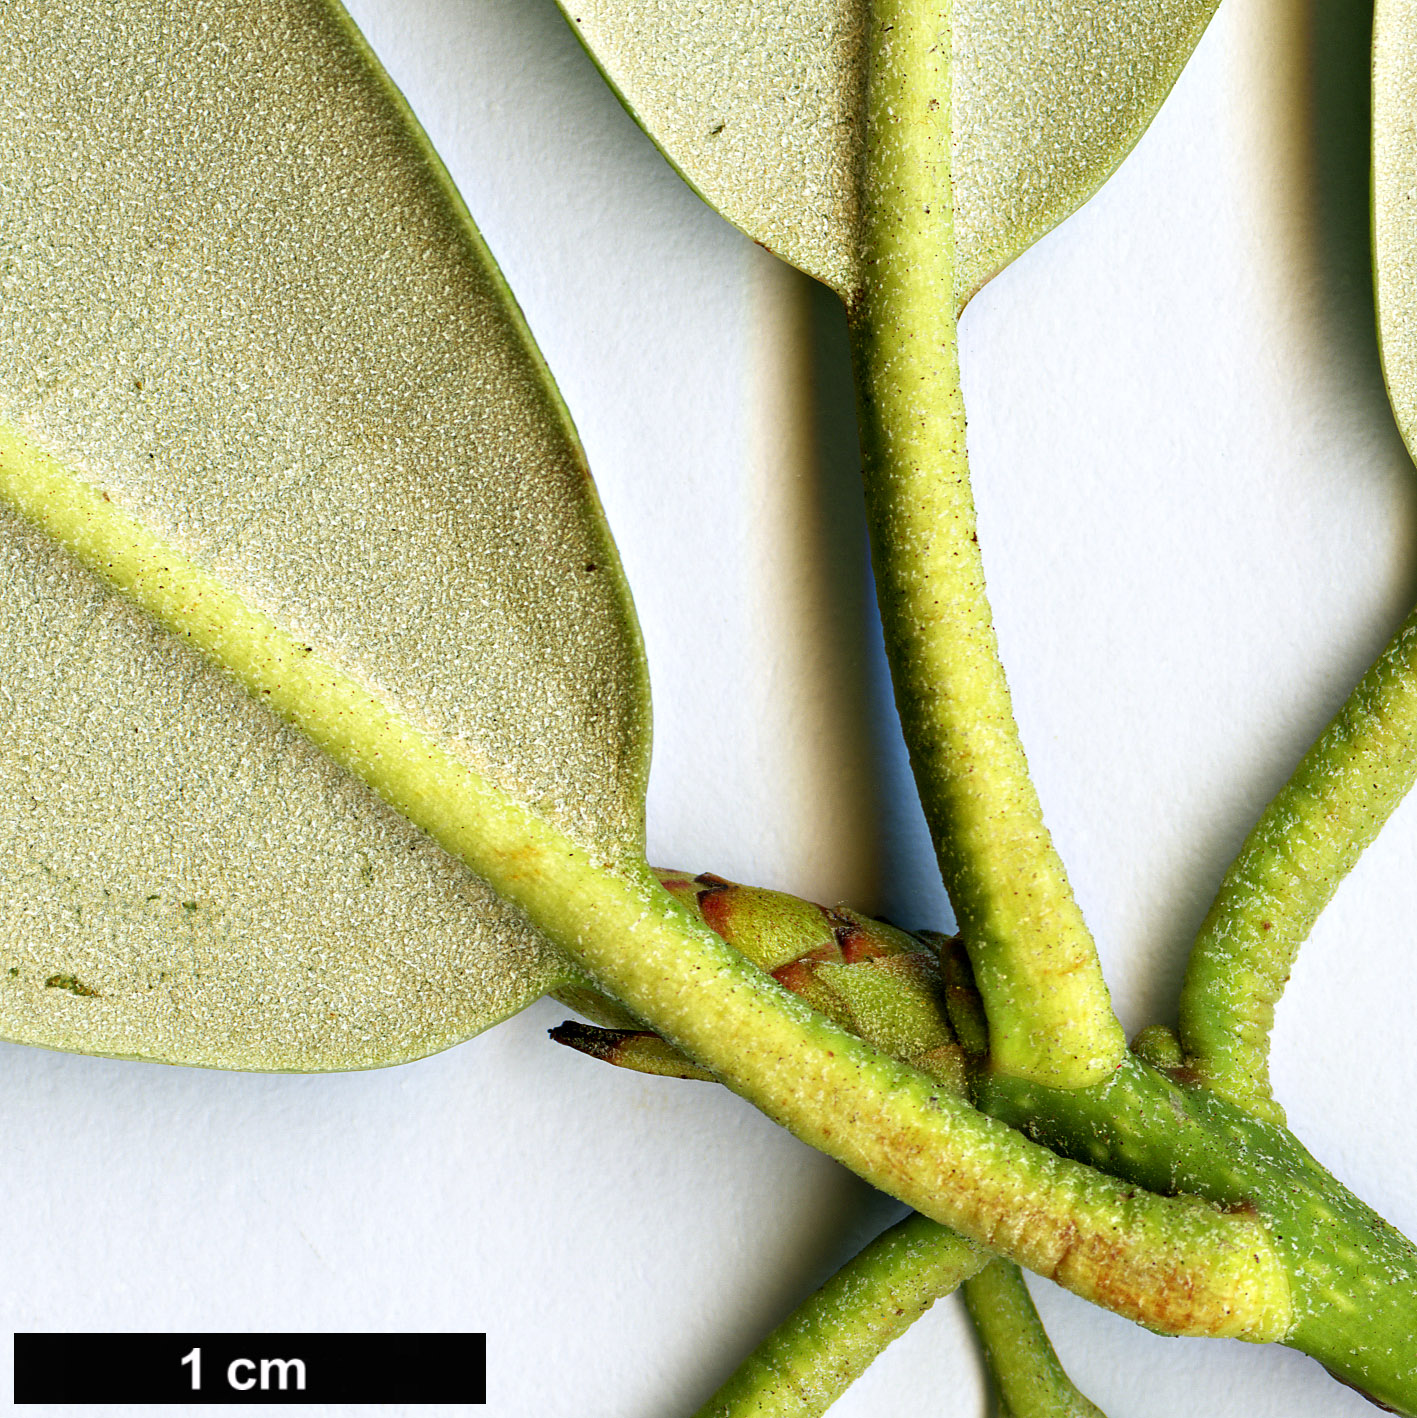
(759, 104)
(250, 329)
(1394, 218)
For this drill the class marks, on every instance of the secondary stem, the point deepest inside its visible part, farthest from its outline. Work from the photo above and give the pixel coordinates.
(809, 1360)
(1030, 1380)
(1050, 1014)
(1307, 840)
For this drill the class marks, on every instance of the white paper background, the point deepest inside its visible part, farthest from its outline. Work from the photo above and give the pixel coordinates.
(1199, 525)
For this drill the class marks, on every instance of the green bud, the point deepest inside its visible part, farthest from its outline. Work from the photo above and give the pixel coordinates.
(871, 978)
(1159, 1046)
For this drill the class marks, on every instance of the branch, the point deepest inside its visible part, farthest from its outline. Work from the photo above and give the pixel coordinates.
(809, 1360)
(1307, 840)
(1030, 1380)
(1050, 1014)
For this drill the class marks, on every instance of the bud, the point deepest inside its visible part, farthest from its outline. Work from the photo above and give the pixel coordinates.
(1159, 1046)
(879, 982)
(636, 1049)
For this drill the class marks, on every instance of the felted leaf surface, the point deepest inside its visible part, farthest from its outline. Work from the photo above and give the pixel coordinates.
(758, 103)
(240, 302)
(1395, 204)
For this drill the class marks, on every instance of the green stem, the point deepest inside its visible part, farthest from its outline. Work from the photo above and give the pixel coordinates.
(1354, 1275)
(1050, 1014)
(1030, 1380)
(1307, 840)
(890, 1123)
(809, 1360)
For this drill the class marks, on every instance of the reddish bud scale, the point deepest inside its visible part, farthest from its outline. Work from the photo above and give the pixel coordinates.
(881, 983)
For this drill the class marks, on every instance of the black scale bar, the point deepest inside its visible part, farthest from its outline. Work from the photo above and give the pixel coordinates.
(250, 1368)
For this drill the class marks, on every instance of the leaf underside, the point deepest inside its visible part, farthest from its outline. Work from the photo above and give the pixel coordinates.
(759, 104)
(1394, 217)
(241, 301)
